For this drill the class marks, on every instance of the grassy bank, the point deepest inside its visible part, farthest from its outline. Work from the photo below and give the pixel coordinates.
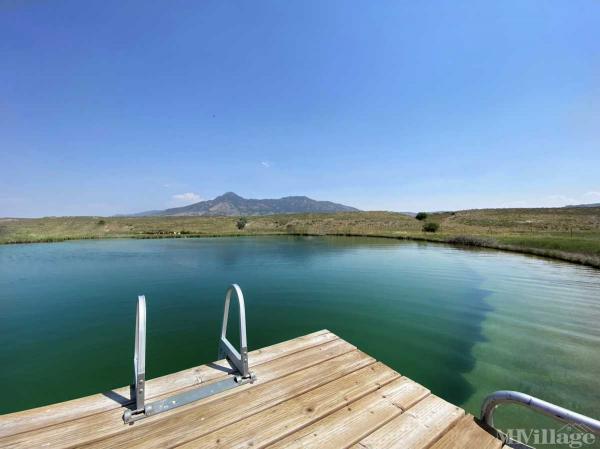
(568, 234)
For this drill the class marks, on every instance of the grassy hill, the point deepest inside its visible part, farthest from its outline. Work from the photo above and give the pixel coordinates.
(571, 234)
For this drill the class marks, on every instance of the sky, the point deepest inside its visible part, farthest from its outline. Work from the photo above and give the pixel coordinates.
(111, 107)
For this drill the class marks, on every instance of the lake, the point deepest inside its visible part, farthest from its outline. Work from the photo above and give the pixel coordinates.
(462, 322)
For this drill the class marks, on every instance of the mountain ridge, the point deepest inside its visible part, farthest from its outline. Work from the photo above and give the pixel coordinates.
(230, 204)
(584, 205)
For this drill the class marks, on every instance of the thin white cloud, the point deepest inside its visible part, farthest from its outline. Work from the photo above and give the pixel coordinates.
(514, 204)
(557, 201)
(10, 199)
(592, 195)
(266, 164)
(186, 198)
(546, 201)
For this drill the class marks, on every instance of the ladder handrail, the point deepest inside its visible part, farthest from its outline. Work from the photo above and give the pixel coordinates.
(557, 412)
(139, 357)
(239, 359)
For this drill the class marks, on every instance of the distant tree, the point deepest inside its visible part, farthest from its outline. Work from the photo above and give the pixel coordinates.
(101, 222)
(431, 227)
(421, 216)
(241, 223)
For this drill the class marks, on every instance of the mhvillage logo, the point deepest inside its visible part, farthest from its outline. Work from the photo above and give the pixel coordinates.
(571, 436)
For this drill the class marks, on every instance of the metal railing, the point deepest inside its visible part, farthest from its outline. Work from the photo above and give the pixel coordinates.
(139, 354)
(238, 360)
(226, 349)
(581, 422)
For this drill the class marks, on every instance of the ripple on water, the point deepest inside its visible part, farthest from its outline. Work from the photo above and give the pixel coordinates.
(462, 322)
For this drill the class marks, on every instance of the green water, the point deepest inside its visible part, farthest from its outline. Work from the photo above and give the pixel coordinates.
(462, 322)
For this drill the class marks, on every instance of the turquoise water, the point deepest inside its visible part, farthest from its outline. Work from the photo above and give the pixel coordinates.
(462, 322)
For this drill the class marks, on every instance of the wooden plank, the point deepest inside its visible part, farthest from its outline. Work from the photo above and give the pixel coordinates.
(273, 385)
(467, 433)
(110, 422)
(201, 420)
(359, 419)
(418, 427)
(40, 417)
(317, 391)
(275, 423)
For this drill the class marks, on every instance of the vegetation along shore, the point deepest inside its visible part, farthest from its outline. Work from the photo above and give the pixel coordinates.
(571, 234)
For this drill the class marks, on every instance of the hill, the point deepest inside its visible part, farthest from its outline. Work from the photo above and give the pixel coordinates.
(585, 205)
(232, 205)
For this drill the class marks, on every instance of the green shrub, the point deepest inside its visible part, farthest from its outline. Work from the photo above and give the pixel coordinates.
(101, 222)
(421, 216)
(241, 223)
(431, 227)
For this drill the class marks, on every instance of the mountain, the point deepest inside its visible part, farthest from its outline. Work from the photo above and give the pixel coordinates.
(585, 205)
(230, 204)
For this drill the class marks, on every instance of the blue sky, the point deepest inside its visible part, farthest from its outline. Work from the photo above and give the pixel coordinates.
(111, 107)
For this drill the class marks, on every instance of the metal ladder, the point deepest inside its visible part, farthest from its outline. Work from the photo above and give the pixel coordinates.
(237, 359)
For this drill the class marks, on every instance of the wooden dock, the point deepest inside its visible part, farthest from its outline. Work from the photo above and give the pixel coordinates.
(316, 391)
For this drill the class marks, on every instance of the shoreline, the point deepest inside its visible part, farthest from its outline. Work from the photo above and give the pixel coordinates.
(455, 240)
